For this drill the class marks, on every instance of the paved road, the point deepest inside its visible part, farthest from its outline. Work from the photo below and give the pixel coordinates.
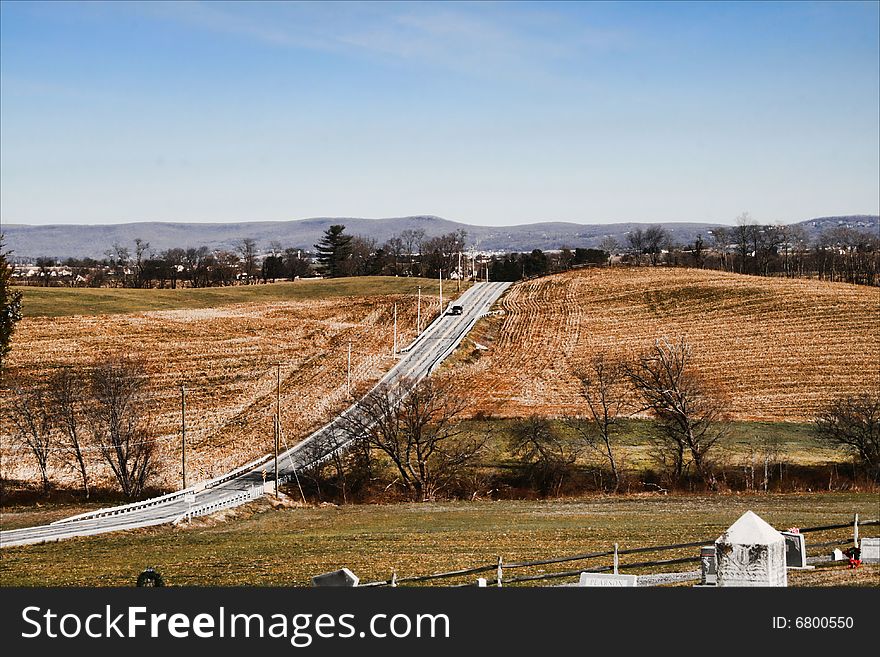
(433, 345)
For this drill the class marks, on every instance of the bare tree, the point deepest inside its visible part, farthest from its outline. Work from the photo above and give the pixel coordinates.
(636, 240)
(66, 396)
(33, 425)
(852, 422)
(119, 423)
(140, 249)
(119, 258)
(610, 245)
(395, 248)
(351, 465)
(45, 264)
(691, 417)
(412, 240)
(175, 259)
(721, 239)
(698, 252)
(795, 244)
(547, 453)
(247, 249)
(607, 392)
(359, 260)
(195, 261)
(441, 253)
(743, 232)
(416, 425)
(656, 239)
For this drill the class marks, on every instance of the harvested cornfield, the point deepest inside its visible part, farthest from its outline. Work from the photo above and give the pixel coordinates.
(226, 356)
(777, 348)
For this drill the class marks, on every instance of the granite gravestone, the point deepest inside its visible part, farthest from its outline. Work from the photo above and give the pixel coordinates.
(869, 550)
(341, 577)
(708, 566)
(600, 579)
(795, 551)
(751, 553)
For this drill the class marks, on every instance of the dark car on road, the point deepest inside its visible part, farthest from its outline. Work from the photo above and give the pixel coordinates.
(456, 310)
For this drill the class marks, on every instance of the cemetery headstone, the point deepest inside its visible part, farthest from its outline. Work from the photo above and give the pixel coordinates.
(604, 579)
(751, 553)
(341, 577)
(870, 550)
(708, 566)
(795, 551)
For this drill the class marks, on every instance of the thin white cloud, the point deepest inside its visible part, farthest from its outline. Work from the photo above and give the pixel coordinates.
(480, 39)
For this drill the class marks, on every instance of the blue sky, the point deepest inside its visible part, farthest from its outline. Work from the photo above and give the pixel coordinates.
(488, 113)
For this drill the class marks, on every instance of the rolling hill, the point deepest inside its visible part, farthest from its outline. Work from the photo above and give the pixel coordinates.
(777, 348)
(62, 241)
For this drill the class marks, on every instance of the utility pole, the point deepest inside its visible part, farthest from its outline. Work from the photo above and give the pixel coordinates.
(458, 280)
(277, 422)
(183, 433)
(349, 369)
(394, 352)
(419, 313)
(441, 292)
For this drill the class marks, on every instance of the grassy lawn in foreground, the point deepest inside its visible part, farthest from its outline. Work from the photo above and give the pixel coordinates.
(287, 546)
(58, 301)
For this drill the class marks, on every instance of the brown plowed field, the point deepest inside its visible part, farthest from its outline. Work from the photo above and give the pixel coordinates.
(226, 356)
(778, 348)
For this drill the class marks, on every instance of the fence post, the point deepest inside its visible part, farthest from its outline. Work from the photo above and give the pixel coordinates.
(499, 571)
(616, 560)
(856, 531)
(394, 578)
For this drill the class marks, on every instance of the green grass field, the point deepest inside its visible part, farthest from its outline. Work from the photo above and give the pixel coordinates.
(747, 442)
(257, 545)
(58, 301)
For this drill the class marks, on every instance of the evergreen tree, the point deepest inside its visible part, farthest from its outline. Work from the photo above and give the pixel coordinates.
(334, 251)
(10, 304)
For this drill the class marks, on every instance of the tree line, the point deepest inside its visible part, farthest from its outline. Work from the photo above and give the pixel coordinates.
(412, 439)
(337, 254)
(70, 416)
(838, 254)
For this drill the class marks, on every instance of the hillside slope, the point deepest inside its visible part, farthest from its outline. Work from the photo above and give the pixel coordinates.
(778, 348)
(225, 354)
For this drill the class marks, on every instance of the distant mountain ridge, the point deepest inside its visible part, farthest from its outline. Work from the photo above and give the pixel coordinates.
(79, 241)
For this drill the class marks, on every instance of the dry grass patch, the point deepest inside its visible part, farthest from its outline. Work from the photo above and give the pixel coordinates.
(226, 356)
(778, 348)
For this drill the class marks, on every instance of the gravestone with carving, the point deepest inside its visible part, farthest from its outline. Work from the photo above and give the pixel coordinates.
(751, 553)
(605, 580)
(708, 566)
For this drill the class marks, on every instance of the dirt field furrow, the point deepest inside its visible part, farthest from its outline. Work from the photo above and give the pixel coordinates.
(778, 348)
